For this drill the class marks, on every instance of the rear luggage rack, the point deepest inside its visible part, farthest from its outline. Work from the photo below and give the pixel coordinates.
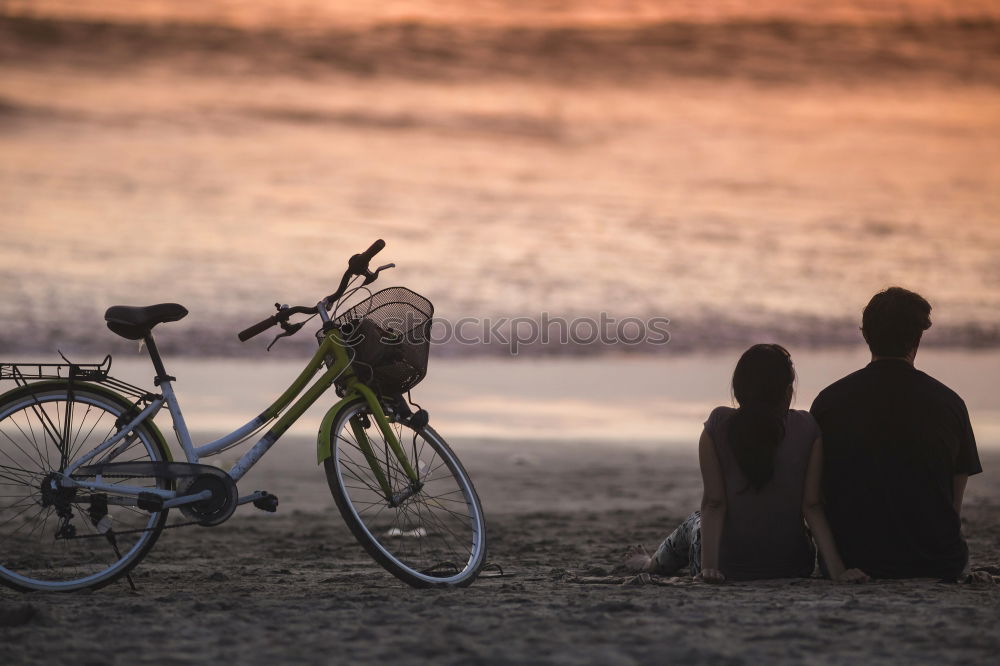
(22, 373)
(93, 372)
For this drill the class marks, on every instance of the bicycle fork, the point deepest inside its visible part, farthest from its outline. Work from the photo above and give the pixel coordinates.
(393, 499)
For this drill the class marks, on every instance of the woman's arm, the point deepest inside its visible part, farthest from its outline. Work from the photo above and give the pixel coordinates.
(812, 509)
(713, 509)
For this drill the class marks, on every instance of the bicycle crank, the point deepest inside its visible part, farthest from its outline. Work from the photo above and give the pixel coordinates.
(219, 506)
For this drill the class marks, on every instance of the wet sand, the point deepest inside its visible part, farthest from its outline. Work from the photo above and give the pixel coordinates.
(294, 587)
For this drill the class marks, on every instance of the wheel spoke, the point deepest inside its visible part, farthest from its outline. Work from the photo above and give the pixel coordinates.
(78, 447)
(40, 462)
(48, 427)
(14, 475)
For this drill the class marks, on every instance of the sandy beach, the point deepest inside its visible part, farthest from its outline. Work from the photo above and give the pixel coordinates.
(294, 587)
(752, 171)
(564, 490)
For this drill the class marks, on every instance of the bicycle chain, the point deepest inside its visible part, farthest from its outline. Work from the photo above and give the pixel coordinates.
(135, 531)
(148, 529)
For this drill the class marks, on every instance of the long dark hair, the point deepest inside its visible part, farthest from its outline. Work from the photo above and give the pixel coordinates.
(761, 385)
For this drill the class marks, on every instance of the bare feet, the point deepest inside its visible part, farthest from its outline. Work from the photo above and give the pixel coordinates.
(979, 579)
(636, 559)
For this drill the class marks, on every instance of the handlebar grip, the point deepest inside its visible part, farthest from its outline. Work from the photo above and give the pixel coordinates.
(375, 248)
(358, 264)
(257, 329)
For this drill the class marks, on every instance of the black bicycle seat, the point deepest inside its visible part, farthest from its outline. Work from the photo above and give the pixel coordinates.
(135, 323)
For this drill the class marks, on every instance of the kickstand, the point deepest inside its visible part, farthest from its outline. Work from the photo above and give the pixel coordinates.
(110, 534)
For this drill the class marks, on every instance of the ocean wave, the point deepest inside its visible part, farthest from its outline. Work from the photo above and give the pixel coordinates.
(776, 51)
(499, 124)
(29, 339)
(12, 109)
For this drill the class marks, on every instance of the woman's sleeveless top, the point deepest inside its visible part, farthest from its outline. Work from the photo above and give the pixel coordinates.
(764, 535)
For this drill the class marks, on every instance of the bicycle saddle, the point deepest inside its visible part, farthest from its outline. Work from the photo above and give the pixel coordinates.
(134, 323)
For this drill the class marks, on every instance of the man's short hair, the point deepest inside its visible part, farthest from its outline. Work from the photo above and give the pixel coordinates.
(894, 320)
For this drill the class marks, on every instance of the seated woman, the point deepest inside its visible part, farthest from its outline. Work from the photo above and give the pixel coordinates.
(761, 466)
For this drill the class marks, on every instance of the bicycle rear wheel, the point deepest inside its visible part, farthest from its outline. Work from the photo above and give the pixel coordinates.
(54, 538)
(436, 536)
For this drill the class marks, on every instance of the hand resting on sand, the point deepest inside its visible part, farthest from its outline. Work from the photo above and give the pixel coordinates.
(852, 576)
(711, 576)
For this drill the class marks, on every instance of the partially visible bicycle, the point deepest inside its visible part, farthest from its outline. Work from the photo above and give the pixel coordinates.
(87, 478)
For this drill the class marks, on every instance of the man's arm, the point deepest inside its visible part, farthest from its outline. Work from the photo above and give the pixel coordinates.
(959, 484)
(967, 458)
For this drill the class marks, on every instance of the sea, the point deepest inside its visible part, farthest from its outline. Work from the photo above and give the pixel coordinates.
(736, 171)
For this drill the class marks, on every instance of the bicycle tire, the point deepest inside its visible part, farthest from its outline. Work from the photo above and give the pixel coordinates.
(410, 540)
(31, 557)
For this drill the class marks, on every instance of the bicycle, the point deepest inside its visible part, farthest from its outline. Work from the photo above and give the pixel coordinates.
(87, 478)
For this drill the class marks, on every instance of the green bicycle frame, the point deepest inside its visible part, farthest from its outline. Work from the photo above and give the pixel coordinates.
(333, 355)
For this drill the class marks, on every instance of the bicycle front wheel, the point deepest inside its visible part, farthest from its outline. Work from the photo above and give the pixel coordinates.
(434, 536)
(55, 538)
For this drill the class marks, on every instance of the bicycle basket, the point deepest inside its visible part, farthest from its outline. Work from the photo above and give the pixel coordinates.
(389, 334)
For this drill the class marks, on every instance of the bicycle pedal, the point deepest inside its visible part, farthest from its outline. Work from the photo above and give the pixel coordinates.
(267, 503)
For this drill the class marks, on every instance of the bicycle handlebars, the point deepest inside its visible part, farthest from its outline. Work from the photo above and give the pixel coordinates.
(357, 265)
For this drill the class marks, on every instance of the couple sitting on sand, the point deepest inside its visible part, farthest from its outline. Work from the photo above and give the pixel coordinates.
(877, 468)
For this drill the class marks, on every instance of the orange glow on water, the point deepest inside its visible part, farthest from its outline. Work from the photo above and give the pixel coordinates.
(775, 188)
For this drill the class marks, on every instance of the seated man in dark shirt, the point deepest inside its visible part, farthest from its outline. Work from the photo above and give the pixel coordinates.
(898, 449)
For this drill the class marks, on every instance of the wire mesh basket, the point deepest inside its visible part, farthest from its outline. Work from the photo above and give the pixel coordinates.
(389, 334)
